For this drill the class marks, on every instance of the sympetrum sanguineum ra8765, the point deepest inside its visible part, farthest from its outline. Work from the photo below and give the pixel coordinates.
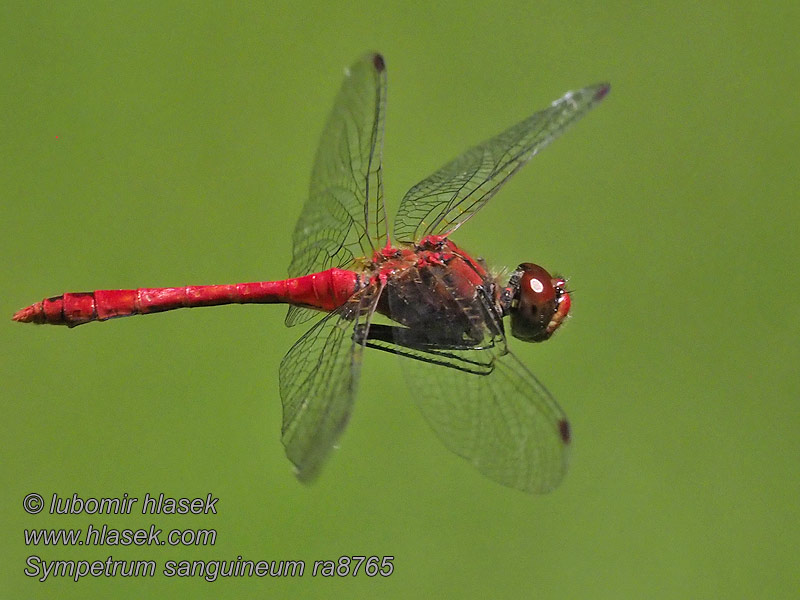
(441, 308)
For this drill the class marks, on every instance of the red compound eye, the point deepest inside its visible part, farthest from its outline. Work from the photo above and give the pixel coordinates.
(540, 303)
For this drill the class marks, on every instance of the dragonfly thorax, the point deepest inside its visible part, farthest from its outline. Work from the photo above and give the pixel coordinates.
(536, 301)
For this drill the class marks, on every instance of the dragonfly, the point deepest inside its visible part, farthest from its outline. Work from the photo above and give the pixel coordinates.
(418, 296)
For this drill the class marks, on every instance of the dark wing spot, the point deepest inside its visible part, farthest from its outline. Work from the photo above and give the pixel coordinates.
(601, 93)
(563, 429)
(379, 63)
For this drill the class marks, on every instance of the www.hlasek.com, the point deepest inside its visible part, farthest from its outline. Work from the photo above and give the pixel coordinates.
(210, 570)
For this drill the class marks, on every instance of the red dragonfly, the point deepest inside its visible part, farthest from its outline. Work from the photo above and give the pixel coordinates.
(420, 296)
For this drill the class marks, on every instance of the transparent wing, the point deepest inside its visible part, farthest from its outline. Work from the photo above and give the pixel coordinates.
(344, 217)
(479, 398)
(442, 202)
(485, 406)
(318, 382)
(505, 422)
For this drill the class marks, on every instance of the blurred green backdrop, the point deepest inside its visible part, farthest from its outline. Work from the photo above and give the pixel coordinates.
(171, 143)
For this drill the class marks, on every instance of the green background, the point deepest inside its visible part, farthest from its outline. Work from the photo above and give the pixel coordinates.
(168, 144)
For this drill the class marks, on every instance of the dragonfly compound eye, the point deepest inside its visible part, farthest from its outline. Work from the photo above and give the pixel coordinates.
(540, 303)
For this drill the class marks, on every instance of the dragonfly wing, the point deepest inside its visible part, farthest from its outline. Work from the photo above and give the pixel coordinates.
(318, 383)
(299, 314)
(505, 422)
(344, 217)
(441, 203)
(481, 401)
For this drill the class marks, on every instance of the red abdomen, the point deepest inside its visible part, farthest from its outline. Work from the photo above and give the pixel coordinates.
(326, 291)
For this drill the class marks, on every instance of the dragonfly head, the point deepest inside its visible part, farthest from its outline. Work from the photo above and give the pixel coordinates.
(536, 301)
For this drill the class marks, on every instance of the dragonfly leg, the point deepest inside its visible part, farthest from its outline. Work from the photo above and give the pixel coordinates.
(417, 345)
